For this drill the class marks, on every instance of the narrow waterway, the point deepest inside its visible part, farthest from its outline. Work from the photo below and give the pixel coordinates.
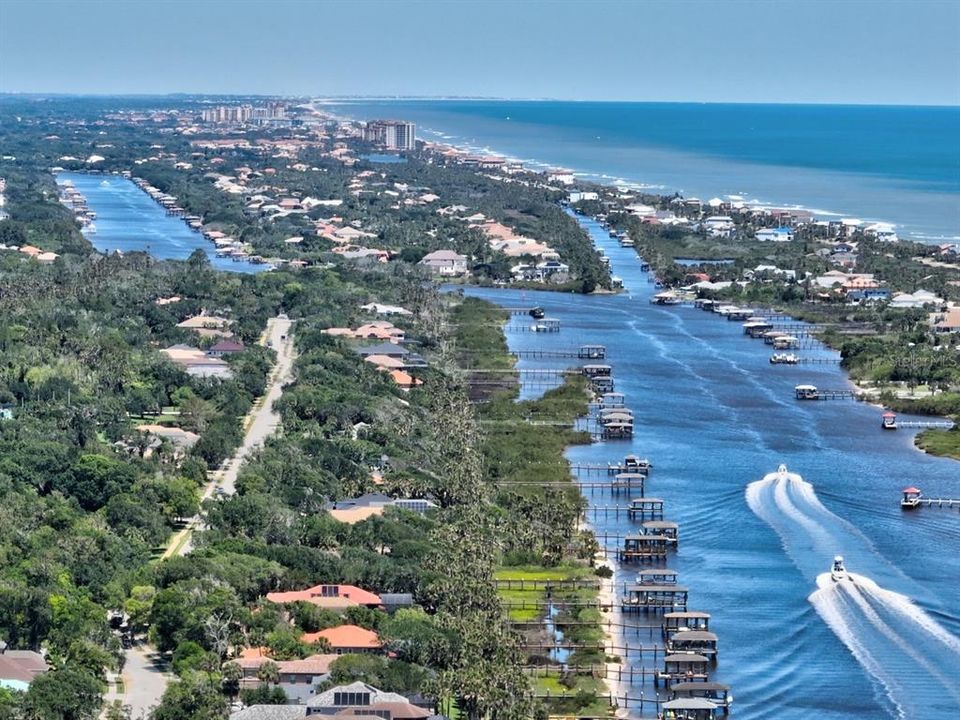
(715, 418)
(128, 220)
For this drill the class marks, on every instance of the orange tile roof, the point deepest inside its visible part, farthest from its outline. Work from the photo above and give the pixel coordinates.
(346, 636)
(346, 596)
(404, 379)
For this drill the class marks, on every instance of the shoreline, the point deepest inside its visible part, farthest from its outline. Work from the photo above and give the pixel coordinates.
(444, 139)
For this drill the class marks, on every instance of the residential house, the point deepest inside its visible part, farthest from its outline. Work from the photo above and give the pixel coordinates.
(197, 363)
(334, 597)
(362, 699)
(297, 678)
(918, 299)
(346, 639)
(379, 309)
(381, 501)
(270, 712)
(446, 263)
(946, 322)
(404, 380)
(225, 347)
(719, 226)
(780, 234)
(207, 325)
(18, 668)
(181, 439)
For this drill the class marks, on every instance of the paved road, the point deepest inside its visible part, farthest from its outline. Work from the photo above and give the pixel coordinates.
(143, 681)
(259, 424)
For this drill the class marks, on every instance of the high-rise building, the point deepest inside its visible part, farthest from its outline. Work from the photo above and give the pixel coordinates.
(391, 134)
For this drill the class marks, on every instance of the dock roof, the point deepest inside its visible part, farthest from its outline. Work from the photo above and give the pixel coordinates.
(686, 658)
(640, 588)
(690, 704)
(688, 686)
(695, 636)
(687, 614)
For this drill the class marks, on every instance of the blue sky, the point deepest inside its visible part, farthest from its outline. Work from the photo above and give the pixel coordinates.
(857, 51)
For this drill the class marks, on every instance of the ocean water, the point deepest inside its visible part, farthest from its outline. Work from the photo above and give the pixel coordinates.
(716, 419)
(894, 164)
(128, 220)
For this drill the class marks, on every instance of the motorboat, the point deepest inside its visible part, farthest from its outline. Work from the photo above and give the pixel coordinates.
(537, 313)
(838, 572)
(784, 359)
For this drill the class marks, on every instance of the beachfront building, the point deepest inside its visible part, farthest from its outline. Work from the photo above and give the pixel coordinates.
(391, 134)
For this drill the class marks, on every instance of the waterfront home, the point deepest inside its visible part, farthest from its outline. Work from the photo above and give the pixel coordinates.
(297, 678)
(346, 639)
(445, 263)
(332, 597)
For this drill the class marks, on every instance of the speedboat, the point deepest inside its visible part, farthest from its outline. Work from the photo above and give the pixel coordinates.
(838, 572)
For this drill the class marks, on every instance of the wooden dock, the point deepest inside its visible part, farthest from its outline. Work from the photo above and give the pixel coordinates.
(948, 503)
(836, 395)
(926, 424)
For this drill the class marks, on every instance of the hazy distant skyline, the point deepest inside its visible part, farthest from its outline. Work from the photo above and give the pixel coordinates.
(806, 51)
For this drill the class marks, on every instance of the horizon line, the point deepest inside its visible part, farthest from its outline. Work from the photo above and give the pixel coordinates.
(455, 98)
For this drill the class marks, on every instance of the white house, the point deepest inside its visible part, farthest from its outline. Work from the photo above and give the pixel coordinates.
(576, 197)
(445, 262)
(915, 300)
(718, 226)
(780, 234)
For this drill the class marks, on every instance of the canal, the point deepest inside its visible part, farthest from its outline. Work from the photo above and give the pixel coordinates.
(715, 417)
(128, 220)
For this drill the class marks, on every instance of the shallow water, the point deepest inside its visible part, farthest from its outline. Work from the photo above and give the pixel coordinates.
(714, 416)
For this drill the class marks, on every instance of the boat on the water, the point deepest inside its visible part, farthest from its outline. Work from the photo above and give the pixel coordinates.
(888, 421)
(838, 572)
(784, 359)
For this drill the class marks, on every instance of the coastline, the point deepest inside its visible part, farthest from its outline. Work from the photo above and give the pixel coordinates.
(601, 177)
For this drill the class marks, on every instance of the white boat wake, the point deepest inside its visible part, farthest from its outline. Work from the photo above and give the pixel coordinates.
(910, 656)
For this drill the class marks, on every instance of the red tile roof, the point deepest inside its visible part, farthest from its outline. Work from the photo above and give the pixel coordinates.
(328, 596)
(346, 637)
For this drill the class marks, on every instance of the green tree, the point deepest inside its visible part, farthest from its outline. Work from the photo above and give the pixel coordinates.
(62, 694)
